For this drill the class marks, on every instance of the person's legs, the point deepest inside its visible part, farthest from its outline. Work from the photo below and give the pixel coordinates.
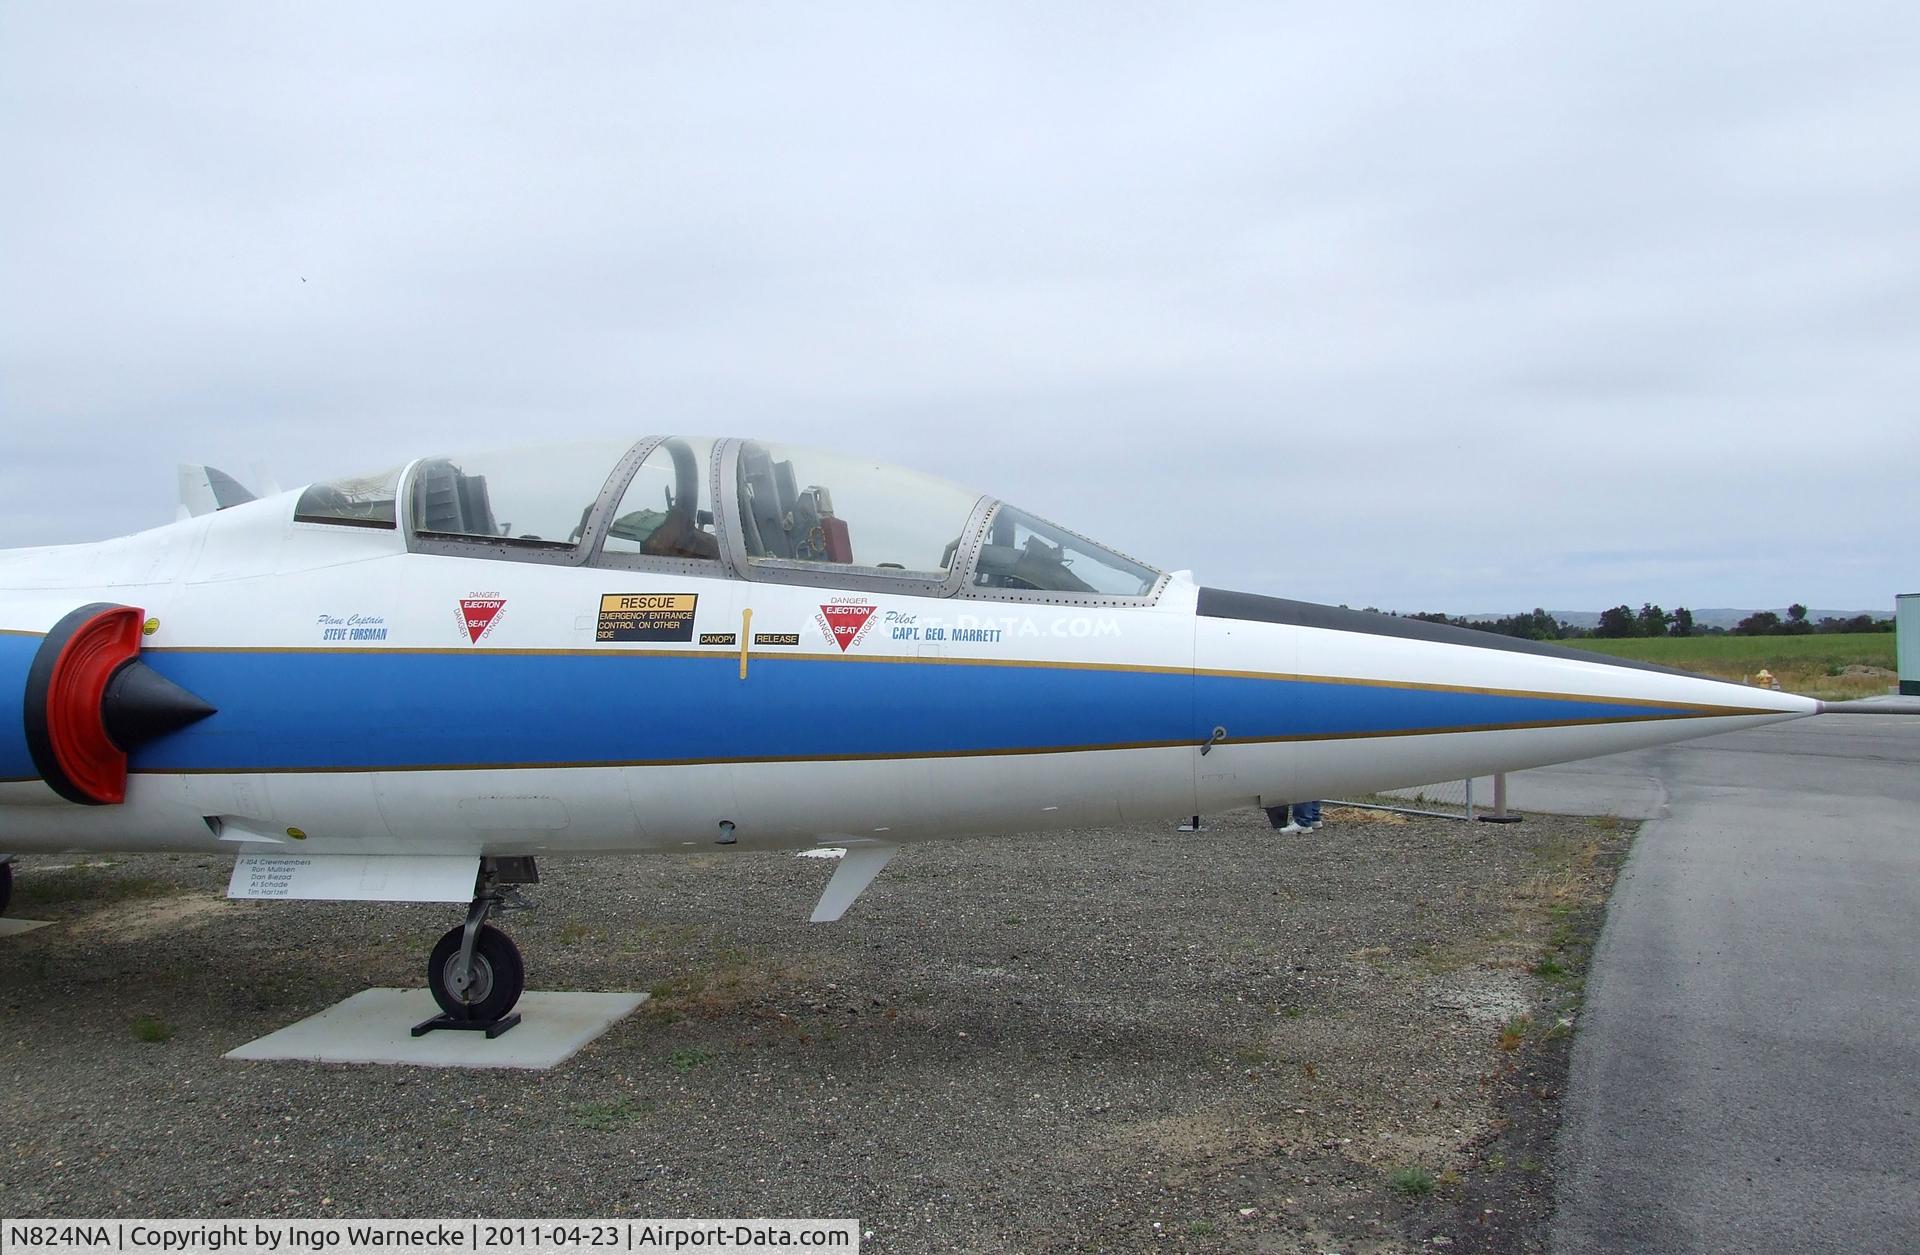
(1307, 814)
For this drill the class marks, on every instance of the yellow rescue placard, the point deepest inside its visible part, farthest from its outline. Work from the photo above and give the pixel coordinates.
(646, 616)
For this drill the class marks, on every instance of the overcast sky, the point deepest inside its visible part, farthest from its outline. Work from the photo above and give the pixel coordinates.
(1423, 306)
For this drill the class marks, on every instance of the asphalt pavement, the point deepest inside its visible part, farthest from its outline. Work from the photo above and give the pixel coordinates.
(1747, 1072)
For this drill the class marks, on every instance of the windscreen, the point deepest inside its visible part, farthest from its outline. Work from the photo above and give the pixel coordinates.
(1027, 554)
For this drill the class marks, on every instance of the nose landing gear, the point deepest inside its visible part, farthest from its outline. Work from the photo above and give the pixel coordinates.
(475, 972)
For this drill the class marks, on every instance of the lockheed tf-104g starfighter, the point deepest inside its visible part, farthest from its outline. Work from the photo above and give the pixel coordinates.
(408, 686)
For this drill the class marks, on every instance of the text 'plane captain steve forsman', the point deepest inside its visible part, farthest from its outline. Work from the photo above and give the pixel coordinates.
(406, 687)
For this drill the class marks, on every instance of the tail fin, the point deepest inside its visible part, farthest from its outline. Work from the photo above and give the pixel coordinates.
(204, 489)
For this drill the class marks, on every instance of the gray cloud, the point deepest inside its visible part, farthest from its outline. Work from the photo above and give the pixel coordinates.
(1443, 309)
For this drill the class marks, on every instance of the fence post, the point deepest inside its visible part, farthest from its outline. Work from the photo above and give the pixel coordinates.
(1499, 813)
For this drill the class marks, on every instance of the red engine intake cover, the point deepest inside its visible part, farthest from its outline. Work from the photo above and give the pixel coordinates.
(65, 687)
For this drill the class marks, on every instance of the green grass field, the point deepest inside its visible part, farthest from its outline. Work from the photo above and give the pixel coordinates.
(1814, 665)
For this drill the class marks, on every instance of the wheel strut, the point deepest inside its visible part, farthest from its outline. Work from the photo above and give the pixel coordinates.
(461, 978)
(475, 973)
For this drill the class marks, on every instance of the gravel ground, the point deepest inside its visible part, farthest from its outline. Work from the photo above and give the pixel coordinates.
(1109, 1039)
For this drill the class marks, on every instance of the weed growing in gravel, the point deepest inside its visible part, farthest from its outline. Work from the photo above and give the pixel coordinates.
(687, 1058)
(604, 1117)
(1361, 815)
(736, 980)
(1549, 968)
(85, 884)
(1573, 859)
(1514, 1032)
(1453, 956)
(1412, 1180)
(573, 932)
(665, 936)
(148, 1029)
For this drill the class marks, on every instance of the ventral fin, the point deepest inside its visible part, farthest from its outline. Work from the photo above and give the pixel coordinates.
(863, 861)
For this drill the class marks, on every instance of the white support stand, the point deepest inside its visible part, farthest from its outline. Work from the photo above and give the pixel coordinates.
(376, 1026)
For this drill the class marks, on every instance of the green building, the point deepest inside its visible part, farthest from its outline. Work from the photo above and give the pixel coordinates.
(1906, 615)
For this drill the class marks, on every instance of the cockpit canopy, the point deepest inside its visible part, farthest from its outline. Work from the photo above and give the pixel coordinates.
(741, 508)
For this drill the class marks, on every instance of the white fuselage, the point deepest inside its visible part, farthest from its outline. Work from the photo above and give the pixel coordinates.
(372, 700)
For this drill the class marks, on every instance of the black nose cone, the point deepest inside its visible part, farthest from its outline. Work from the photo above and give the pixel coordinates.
(141, 705)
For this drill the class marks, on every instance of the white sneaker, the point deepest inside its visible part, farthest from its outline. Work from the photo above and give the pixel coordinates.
(1317, 825)
(1291, 828)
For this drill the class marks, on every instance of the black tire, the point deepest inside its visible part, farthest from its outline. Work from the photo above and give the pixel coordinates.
(6, 886)
(499, 976)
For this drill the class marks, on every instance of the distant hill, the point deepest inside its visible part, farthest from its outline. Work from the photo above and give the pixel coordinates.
(1718, 617)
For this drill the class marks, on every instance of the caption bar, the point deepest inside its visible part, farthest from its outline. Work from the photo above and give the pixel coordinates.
(441, 1237)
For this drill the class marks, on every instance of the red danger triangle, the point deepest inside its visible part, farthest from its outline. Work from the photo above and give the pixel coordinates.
(846, 622)
(479, 613)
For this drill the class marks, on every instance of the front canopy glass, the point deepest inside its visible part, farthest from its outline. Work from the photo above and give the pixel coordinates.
(800, 505)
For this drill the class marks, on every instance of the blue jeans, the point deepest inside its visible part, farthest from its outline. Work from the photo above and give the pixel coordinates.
(1304, 813)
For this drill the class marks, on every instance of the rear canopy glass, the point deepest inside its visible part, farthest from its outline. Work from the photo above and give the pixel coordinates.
(537, 497)
(363, 501)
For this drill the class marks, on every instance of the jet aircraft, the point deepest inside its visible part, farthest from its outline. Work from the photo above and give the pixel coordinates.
(411, 685)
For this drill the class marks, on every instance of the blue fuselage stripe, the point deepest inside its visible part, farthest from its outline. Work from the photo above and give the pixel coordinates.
(392, 711)
(16, 659)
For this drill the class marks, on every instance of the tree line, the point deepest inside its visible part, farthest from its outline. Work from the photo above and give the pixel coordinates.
(1651, 620)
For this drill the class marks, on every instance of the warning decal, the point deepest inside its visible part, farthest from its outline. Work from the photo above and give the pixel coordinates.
(479, 613)
(646, 616)
(845, 622)
(776, 638)
(718, 638)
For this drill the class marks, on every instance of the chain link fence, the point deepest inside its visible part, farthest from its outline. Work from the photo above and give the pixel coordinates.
(1482, 798)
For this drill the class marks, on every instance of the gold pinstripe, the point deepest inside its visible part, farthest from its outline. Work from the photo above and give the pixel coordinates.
(1023, 751)
(1694, 708)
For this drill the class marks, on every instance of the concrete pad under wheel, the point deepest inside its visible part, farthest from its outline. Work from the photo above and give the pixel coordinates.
(376, 1026)
(14, 927)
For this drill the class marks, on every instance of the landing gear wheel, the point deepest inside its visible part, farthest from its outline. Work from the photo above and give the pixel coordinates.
(6, 886)
(498, 975)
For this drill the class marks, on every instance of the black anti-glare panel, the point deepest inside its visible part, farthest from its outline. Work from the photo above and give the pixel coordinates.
(1216, 603)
